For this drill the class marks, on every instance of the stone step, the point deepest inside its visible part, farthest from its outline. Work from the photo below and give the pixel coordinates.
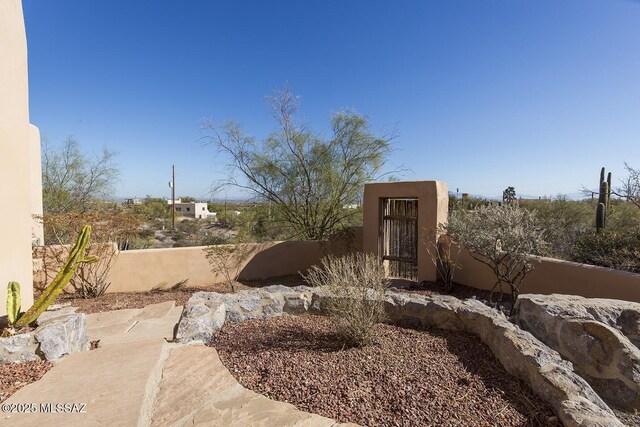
(197, 389)
(151, 328)
(116, 383)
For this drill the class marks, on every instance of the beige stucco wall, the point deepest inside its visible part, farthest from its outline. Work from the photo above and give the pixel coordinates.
(433, 206)
(142, 270)
(146, 269)
(16, 155)
(37, 230)
(559, 277)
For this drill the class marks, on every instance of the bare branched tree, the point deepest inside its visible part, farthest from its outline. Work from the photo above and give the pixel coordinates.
(630, 188)
(307, 180)
(71, 181)
(506, 238)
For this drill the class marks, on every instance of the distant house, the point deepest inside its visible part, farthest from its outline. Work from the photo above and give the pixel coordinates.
(193, 210)
(133, 201)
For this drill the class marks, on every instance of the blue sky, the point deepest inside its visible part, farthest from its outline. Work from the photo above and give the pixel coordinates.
(485, 94)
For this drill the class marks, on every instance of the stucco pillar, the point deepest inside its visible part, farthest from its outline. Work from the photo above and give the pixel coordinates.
(16, 156)
(433, 208)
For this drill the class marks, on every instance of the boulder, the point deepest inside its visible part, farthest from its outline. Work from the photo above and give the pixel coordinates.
(200, 319)
(54, 338)
(55, 312)
(582, 333)
(62, 335)
(253, 304)
(621, 315)
(297, 300)
(418, 310)
(18, 348)
(528, 359)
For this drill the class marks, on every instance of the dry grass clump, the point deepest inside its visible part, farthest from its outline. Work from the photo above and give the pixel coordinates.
(357, 283)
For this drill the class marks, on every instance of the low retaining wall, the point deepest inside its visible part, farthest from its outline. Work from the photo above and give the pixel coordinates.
(554, 276)
(520, 353)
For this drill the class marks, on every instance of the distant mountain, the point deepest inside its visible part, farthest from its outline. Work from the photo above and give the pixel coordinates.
(570, 196)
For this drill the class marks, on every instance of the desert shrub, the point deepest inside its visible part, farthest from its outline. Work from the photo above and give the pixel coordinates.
(111, 230)
(445, 257)
(564, 221)
(609, 248)
(356, 282)
(504, 237)
(228, 260)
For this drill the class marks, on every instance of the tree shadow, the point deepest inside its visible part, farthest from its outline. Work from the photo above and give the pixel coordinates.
(478, 360)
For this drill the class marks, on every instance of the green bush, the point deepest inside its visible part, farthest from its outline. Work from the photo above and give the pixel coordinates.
(609, 248)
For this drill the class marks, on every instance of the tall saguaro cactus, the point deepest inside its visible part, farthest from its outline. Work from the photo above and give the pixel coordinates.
(76, 257)
(603, 200)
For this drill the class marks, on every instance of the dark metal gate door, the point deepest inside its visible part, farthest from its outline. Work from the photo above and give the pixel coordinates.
(400, 237)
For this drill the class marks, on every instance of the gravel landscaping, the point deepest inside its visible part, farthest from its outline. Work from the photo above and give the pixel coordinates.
(122, 300)
(14, 376)
(409, 377)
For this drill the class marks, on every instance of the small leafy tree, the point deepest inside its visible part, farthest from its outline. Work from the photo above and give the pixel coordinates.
(71, 180)
(506, 238)
(306, 179)
(228, 260)
(357, 283)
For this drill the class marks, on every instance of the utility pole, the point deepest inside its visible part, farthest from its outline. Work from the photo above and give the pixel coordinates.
(173, 197)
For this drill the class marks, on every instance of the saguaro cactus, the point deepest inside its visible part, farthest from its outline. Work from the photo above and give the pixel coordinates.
(76, 257)
(603, 200)
(13, 302)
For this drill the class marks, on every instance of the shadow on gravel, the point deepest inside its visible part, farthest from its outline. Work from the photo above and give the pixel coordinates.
(478, 360)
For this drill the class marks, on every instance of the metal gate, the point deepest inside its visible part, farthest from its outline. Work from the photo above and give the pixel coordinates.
(400, 237)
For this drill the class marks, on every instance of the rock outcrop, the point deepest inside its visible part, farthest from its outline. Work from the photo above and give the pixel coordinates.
(200, 319)
(591, 334)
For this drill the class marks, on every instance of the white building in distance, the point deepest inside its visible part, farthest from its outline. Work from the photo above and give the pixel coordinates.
(198, 210)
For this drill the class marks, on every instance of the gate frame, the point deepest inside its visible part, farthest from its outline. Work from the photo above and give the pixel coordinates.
(433, 208)
(385, 241)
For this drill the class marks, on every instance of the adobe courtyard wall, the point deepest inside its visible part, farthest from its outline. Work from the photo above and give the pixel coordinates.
(145, 269)
(554, 276)
(19, 145)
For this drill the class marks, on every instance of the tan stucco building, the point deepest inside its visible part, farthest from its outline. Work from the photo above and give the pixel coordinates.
(20, 172)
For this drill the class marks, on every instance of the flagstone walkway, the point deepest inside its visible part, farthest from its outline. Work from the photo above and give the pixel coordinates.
(137, 377)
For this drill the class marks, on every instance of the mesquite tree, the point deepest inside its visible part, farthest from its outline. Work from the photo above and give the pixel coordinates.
(309, 181)
(506, 238)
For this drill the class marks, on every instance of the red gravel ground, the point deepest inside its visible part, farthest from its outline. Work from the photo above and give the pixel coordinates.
(408, 378)
(14, 376)
(122, 300)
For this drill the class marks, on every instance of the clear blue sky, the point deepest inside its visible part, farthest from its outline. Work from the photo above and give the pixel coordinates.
(485, 94)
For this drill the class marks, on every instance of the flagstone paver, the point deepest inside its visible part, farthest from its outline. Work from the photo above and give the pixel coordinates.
(137, 377)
